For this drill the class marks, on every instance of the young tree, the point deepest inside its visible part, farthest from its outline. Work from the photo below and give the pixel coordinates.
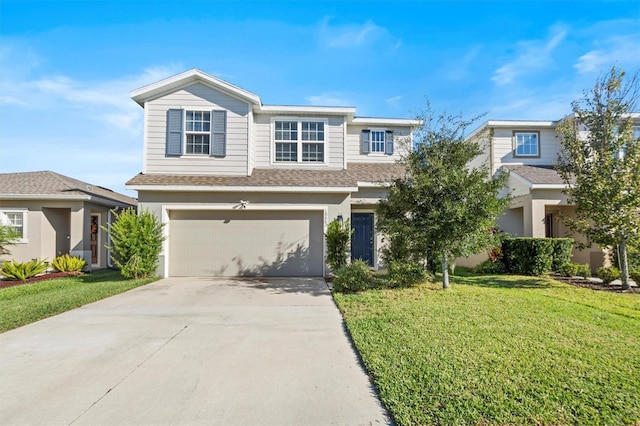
(136, 242)
(600, 163)
(7, 238)
(443, 206)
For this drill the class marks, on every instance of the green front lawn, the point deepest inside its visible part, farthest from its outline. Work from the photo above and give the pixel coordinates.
(500, 350)
(24, 304)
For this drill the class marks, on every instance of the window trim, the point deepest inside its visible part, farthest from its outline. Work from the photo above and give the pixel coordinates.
(186, 132)
(384, 141)
(515, 143)
(299, 142)
(24, 212)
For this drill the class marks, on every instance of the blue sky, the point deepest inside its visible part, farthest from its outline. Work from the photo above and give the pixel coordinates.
(66, 68)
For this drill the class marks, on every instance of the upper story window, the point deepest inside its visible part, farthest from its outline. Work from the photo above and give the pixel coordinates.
(299, 141)
(527, 144)
(196, 132)
(377, 141)
(17, 221)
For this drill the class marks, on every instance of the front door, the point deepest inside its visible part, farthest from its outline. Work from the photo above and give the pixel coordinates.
(95, 239)
(362, 237)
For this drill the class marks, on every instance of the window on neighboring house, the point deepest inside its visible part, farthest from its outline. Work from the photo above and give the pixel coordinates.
(636, 132)
(299, 141)
(16, 220)
(527, 144)
(377, 141)
(198, 131)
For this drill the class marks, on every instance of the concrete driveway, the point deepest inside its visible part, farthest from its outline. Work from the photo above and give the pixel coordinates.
(190, 351)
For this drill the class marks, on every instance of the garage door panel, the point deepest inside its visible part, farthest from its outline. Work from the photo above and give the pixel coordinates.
(245, 243)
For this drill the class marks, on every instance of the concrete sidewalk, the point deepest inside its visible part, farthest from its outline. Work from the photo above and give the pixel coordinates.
(190, 351)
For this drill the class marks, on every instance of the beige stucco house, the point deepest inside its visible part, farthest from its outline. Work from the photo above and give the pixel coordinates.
(55, 214)
(245, 188)
(528, 150)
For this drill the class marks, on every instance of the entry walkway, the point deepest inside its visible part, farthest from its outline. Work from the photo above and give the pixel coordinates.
(186, 351)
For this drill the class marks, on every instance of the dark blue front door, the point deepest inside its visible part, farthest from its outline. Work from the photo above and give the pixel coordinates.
(362, 237)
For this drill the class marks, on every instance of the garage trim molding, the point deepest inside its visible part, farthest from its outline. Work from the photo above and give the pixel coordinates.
(166, 208)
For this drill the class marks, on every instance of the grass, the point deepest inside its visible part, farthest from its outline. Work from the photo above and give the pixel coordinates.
(24, 304)
(500, 350)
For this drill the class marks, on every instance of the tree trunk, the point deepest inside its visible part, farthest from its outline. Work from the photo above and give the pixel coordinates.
(445, 272)
(624, 265)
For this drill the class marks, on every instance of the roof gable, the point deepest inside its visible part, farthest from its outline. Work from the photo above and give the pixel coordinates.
(177, 82)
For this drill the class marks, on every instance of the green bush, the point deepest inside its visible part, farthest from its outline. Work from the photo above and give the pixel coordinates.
(352, 277)
(13, 270)
(489, 267)
(136, 242)
(608, 273)
(561, 252)
(405, 274)
(634, 274)
(66, 263)
(584, 270)
(338, 236)
(569, 269)
(528, 256)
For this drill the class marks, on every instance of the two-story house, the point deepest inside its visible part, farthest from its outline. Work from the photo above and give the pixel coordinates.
(529, 150)
(247, 189)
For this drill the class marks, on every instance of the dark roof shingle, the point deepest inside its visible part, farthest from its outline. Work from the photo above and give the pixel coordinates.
(48, 183)
(538, 175)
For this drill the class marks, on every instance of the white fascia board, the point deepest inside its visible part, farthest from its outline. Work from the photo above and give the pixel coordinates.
(549, 186)
(301, 109)
(201, 188)
(175, 82)
(542, 124)
(363, 184)
(375, 121)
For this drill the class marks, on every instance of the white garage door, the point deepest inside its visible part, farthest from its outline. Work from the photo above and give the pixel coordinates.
(245, 243)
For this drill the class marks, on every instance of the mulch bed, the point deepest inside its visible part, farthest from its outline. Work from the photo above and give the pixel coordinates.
(50, 276)
(581, 282)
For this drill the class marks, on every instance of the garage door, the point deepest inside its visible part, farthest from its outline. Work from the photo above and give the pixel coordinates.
(245, 243)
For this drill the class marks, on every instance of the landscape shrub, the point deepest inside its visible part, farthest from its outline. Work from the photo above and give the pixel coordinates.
(136, 242)
(528, 256)
(635, 275)
(338, 236)
(608, 273)
(13, 270)
(352, 277)
(66, 263)
(405, 274)
(569, 269)
(584, 270)
(561, 252)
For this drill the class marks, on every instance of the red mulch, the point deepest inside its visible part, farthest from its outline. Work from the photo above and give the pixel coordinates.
(581, 282)
(50, 276)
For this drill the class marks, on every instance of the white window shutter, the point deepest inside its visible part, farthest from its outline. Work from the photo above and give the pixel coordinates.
(174, 132)
(218, 133)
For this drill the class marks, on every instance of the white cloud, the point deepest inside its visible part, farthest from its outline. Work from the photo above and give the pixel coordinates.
(613, 50)
(394, 101)
(532, 55)
(328, 99)
(353, 35)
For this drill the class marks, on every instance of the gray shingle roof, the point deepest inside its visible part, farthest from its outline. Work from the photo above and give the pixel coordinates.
(48, 184)
(355, 173)
(537, 175)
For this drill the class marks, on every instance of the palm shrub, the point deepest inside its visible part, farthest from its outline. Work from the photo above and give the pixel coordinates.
(66, 263)
(7, 238)
(13, 270)
(136, 242)
(338, 237)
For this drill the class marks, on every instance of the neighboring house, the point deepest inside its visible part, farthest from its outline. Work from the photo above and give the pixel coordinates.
(248, 189)
(528, 150)
(55, 214)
